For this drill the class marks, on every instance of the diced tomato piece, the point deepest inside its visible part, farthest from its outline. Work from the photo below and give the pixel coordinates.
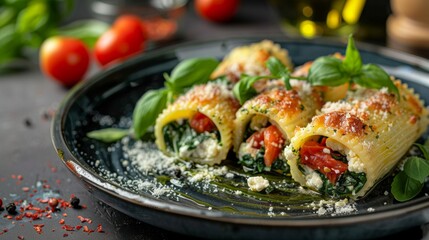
(273, 142)
(256, 139)
(201, 123)
(313, 155)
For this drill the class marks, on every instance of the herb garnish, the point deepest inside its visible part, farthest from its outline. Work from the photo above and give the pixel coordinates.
(186, 74)
(409, 182)
(324, 71)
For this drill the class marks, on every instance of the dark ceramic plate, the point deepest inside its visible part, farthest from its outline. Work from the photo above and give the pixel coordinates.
(222, 208)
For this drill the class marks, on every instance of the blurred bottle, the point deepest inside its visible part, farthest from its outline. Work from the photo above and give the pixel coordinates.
(408, 26)
(161, 16)
(312, 18)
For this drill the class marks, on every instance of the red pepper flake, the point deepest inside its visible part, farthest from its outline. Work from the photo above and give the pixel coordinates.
(82, 219)
(64, 214)
(25, 189)
(20, 177)
(13, 176)
(21, 237)
(35, 216)
(86, 229)
(62, 221)
(78, 227)
(53, 169)
(9, 217)
(43, 200)
(38, 228)
(100, 228)
(65, 235)
(19, 217)
(68, 228)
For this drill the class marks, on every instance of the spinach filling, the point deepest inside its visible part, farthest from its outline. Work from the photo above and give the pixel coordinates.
(256, 164)
(181, 135)
(347, 184)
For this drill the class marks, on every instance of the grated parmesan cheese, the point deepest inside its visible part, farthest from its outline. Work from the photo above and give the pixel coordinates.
(257, 183)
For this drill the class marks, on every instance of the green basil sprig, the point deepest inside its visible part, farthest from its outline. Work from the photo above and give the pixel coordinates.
(187, 73)
(324, 71)
(330, 71)
(409, 182)
(243, 90)
(190, 72)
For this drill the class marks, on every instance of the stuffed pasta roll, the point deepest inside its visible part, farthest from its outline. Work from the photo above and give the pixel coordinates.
(198, 125)
(352, 144)
(266, 123)
(250, 59)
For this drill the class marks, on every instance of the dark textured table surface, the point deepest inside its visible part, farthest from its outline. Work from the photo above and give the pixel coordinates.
(30, 170)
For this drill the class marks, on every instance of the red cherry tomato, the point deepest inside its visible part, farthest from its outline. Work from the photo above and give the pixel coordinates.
(216, 10)
(201, 123)
(124, 39)
(64, 59)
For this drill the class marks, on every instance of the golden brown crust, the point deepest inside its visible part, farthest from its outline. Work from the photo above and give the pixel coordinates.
(250, 59)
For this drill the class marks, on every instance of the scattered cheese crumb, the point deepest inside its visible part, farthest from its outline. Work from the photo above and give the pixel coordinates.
(257, 183)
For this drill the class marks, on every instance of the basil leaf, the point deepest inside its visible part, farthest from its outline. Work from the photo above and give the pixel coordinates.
(243, 90)
(190, 72)
(32, 17)
(279, 70)
(424, 149)
(86, 30)
(405, 188)
(352, 63)
(417, 168)
(276, 67)
(373, 76)
(147, 109)
(327, 71)
(108, 135)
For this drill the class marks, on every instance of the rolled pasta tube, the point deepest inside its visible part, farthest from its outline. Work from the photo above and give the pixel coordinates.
(250, 59)
(266, 123)
(198, 125)
(352, 144)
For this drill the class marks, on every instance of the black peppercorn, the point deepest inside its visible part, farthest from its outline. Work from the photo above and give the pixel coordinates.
(11, 208)
(74, 201)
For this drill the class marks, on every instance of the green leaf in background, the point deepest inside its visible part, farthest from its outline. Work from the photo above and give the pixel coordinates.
(352, 62)
(417, 168)
(327, 71)
(86, 30)
(147, 109)
(243, 90)
(9, 44)
(190, 72)
(405, 188)
(32, 17)
(108, 135)
(7, 14)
